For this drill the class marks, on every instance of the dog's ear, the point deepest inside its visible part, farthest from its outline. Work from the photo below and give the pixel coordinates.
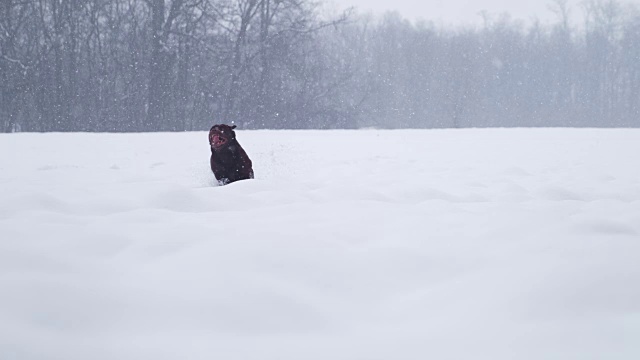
(211, 133)
(233, 127)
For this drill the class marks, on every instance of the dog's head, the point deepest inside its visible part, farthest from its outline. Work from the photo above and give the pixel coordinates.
(221, 136)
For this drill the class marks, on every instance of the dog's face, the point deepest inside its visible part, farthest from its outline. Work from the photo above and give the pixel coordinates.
(221, 135)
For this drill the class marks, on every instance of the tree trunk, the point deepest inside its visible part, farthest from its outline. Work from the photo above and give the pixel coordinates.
(155, 109)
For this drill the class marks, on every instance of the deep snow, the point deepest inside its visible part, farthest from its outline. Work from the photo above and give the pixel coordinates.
(355, 245)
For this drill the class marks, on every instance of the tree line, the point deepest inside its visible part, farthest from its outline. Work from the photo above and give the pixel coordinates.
(175, 65)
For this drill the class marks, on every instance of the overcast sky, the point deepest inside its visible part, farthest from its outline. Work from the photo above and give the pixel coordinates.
(458, 12)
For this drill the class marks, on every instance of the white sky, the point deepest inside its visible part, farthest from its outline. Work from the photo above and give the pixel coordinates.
(457, 12)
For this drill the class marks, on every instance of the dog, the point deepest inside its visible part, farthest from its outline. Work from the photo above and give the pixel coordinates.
(229, 161)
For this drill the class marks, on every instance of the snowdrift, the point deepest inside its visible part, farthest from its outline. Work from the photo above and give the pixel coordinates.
(391, 245)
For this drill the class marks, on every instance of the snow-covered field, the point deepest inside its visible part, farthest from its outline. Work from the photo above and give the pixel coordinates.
(349, 245)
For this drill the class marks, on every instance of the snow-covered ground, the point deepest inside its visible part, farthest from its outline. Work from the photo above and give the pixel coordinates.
(349, 245)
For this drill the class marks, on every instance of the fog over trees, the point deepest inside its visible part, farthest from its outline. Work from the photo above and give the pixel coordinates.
(174, 65)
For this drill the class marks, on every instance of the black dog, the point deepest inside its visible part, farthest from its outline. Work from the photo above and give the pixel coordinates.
(229, 161)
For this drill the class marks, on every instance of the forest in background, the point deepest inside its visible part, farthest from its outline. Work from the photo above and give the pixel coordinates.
(176, 65)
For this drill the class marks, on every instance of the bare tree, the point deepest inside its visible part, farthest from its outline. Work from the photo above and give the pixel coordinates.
(150, 65)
